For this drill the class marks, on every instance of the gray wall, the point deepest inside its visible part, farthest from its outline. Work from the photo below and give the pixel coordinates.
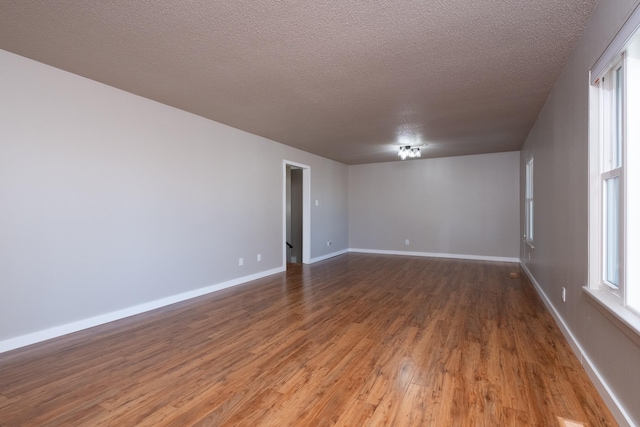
(458, 205)
(110, 200)
(559, 145)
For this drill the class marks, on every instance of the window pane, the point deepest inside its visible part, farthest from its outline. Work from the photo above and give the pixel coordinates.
(616, 154)
(529, 176)
(529, 201)
(530, 219)
(632, 175)
(611, 231)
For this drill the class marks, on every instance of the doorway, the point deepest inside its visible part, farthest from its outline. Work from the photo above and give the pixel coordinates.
(296, 245)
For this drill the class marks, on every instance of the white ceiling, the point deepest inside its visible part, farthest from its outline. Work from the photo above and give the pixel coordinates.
(344, 79)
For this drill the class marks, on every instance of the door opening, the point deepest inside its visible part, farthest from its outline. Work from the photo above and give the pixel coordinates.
(296, 213)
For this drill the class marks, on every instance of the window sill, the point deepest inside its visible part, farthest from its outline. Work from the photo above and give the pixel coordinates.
(629, 320)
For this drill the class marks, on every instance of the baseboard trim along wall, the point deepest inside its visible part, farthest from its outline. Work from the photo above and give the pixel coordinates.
(25, 340)
(616, 408)
(58, 331)
(327, 256)
(436, 255)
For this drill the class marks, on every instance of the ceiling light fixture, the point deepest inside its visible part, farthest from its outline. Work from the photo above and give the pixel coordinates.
(408, 152)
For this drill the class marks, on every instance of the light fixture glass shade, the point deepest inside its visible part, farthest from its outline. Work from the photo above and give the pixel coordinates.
(407, 151)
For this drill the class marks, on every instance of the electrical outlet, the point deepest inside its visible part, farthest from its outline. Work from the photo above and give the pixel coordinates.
(259, 257)
(564, 294)
(406, 241)
(241, 261)
(329, 242)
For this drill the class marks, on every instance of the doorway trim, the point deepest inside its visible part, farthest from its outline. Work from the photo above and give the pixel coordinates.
(306, 211)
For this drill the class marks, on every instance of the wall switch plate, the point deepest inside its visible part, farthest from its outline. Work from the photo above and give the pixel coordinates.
(406, 241)
(241, 261)
(329, 242)
(317, 204)
(259, 257)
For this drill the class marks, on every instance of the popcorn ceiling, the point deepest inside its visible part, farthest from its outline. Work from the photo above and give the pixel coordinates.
(338, 78)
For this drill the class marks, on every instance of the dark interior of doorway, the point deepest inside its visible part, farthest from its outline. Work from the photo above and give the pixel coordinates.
(294, 215)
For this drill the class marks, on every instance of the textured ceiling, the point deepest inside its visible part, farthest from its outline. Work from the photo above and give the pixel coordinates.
(344, 79)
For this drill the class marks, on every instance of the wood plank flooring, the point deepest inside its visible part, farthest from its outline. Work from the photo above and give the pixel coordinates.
(352, 341)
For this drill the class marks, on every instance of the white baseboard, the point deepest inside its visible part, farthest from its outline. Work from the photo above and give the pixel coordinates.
(435, 255)
(68, 328)
(327, 256)
(614, 405)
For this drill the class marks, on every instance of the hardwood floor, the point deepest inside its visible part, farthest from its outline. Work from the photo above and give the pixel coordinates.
(355, 340)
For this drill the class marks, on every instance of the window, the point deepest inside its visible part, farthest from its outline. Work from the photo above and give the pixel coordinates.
(614, 176)
(612, 91)
(528, 202)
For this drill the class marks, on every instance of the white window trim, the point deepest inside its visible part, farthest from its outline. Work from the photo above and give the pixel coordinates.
(613, 300)
(529, 203)
(600, 127)
(608, 171)
(617, 45)
(613, 306)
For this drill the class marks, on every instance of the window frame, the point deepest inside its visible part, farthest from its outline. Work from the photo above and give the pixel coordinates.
(604, 128)
(529, 203)
(612, 142)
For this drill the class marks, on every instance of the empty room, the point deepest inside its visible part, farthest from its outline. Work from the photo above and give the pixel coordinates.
(412, 213)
